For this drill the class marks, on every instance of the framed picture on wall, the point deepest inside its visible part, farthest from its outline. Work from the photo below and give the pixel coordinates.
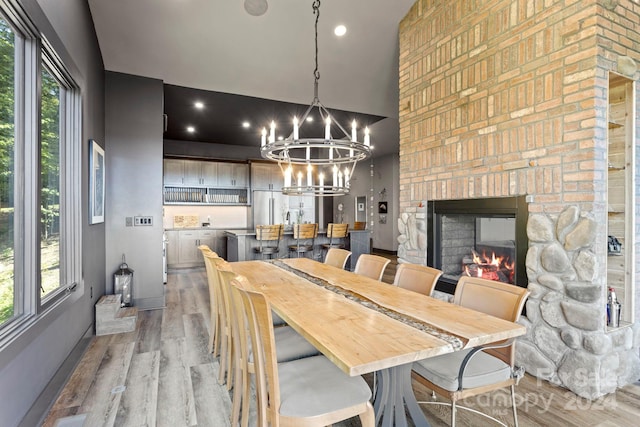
(96, 183)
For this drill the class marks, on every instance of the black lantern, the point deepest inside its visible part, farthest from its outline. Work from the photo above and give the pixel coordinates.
(123, 283)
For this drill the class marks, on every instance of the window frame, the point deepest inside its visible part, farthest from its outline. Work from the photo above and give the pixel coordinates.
(31, 51)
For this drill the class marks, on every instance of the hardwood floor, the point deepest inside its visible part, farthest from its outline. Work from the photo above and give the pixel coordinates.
(162, 374)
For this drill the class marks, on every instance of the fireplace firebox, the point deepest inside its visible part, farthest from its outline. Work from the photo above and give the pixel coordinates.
(478, 237)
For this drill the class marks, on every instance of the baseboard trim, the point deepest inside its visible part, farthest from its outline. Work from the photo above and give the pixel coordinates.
(41, 407)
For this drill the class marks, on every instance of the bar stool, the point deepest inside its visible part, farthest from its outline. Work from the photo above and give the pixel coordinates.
(359, 225)
(305, 235)
(269, 237)
(336, 234)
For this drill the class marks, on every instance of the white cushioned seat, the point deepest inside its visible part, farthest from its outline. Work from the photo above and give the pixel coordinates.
(443, 370)
(314, 386)
(290, 345)
(277, 320)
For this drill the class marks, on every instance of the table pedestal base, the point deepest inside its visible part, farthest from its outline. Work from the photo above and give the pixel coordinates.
(394, 393)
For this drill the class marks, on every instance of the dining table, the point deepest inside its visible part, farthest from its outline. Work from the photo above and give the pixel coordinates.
(366, 326)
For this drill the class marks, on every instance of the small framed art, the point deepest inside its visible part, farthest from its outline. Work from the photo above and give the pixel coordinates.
(96, 182)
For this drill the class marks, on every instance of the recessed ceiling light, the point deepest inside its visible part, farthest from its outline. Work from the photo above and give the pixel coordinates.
(280, 138)
(246, 124)
(309, 118)
(191, 129)
(199, 105)
(340, 30)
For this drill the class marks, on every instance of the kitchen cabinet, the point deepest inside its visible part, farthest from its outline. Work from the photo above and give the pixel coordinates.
(205, 182)
(173, 171)
(210, 173)
(266, 176)
(182, 248)
(233, 175)
(173, 241)
(192, 173)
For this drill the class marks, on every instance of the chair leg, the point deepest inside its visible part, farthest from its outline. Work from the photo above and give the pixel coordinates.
(223, 359)
(513, 404)
(237, 395)
(453, 413)
(368, 418)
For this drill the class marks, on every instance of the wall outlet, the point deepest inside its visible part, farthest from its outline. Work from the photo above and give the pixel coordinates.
(128, 221)
(142, 220)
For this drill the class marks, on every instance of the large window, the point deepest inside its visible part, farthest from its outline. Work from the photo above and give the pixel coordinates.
(49, 184)
(40, 165)
(7, 174)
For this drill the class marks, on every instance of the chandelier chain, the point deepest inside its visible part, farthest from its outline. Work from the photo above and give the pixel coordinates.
(316, 11)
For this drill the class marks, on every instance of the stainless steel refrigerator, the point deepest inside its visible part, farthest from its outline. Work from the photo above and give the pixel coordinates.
(273, 207)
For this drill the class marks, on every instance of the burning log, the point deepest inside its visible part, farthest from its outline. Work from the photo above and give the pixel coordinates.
(497, 268)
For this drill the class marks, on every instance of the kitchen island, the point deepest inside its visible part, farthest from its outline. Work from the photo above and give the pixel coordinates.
(240, 244)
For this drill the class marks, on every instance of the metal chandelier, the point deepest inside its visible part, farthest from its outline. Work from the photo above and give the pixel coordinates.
(320, 166)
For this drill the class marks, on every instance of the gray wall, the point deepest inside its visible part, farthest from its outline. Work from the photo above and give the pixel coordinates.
(28, 363)
(386, 176)
(386, 173)
(133, 159)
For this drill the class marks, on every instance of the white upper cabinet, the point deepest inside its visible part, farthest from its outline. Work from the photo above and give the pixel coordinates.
(266, 176)
(233, 175)
(173, 172)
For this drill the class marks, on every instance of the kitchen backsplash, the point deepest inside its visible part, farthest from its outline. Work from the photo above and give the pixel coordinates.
(232, 217)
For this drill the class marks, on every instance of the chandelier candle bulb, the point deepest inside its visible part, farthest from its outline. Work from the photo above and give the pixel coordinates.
(346, 177)
(287, 177)
(321, 178)
(327, 129)
(354, 134)
(272, 133)
(264, 137)
(367, 141)
(339, 179)
(299, 179)
(309, 179)
(335, 176)
(295, 131)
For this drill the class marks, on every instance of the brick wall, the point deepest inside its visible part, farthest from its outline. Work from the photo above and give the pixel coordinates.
(500, 98)
(509, 97)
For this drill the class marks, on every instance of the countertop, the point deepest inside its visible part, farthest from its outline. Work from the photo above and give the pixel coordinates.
(252, 232)
(242, 231)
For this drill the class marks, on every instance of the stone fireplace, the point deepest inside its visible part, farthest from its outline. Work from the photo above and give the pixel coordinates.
(510, 99)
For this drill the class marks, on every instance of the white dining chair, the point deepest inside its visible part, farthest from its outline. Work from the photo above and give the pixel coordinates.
(482, 369)
(289, 346)
(417, 278)
(337, 257)
(309, 392)
(371, 266)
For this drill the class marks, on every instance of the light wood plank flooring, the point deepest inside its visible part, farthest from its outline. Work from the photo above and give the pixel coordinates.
(162, 375)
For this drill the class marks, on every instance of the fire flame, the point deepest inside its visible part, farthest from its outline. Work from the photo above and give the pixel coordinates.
(488, 267)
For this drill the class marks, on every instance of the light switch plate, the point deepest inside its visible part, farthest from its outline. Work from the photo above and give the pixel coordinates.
(142, 220)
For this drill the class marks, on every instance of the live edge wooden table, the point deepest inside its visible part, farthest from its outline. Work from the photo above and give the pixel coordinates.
(364, 326)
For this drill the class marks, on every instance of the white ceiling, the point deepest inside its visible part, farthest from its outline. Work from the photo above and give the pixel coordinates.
(216, 45)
